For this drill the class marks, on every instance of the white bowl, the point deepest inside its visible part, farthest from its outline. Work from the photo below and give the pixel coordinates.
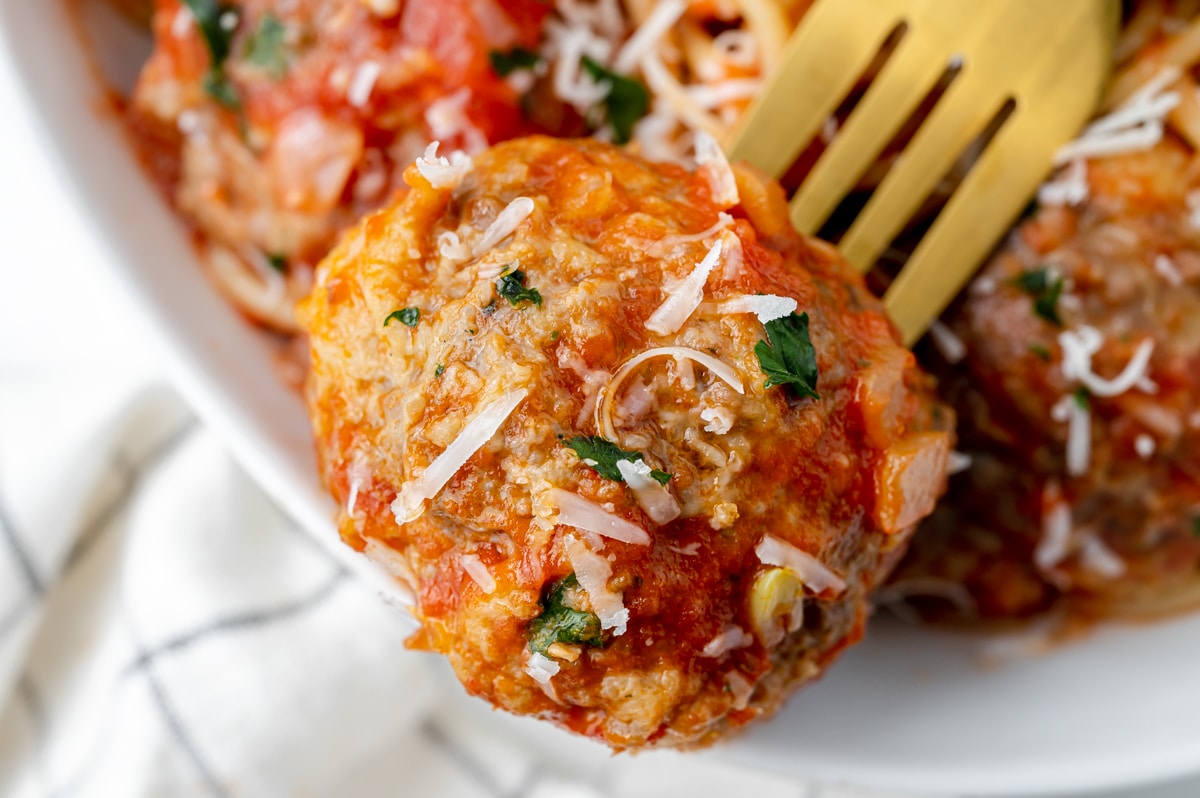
(910, 709)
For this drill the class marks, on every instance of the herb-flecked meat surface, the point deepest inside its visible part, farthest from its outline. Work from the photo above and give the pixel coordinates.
(661, 514)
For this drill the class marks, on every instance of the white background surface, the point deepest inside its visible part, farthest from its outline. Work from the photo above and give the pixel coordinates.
(57, 312)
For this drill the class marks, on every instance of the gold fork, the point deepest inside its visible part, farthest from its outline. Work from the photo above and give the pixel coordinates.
(1026, 72)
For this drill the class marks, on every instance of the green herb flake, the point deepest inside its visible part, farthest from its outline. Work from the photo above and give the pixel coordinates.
(789, 358)
(406, 316)
(1042, 352)
(1082, 397)
(625, 99)
(554, 335)
(278, 262)
(1045, 290)
(560, 622)
(437, 372)
(1196, 526)
(217, 23)
(505, 63)
(511, 286)
(265, 47)
(217, 86)
(601, 455)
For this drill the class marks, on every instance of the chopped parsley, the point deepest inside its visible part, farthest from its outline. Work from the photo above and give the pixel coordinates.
(554, 335)
(278, 262)
(217, 22)
(506, 63)
(1045, 290)
(1041, 351)
(560, 622)
(437, 372)
(511, 286)
(1082, 397)
(265, 47)
(625, 99)
(406, 316)
(1196, 526)
(789, 358)
(601, 455)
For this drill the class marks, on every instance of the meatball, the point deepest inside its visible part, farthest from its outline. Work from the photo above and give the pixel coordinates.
(639, 450)
(1079, 403)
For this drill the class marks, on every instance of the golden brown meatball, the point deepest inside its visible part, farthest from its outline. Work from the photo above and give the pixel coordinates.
(544, 395)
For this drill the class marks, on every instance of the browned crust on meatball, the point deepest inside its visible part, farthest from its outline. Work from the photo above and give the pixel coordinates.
(840, 478)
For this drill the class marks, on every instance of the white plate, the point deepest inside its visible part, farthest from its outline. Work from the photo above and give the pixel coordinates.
(910, 709)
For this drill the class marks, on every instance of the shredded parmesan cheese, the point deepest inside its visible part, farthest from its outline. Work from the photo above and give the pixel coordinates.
(1068, 188)
(1136, 125)
(681, 302)
(645, 39)
(714, 166)
(541, 668)
(767, 307)
(608, 393)
(410, 503)
(664, 245)
(1097, 557)
(1144, 446)
(1165, 268)
(725, 91)
(363, 83)
(718, 420)
(1078, 348)
(812, 572)
(1055, 542)
(451, 247)
(593, 572)
(654, 498)
(442, 172)
(730, 638)
(957, 463)
(576, 511)
(1078, 418)
(948, 344)
(504, 225)
(478, 572)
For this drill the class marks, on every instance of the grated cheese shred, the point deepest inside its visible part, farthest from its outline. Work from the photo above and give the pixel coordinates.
(478, 572)
(712, 164)
(608, 393)
(767, 307)
(410, 503)
(812, 572)
(504, 225)
(444, 172)
(578, 512)
(654, 498)
(1138, 124)
(593, 572)
(682, 301)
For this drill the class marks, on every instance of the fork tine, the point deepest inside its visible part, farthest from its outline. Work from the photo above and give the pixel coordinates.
(991, 197)
(909, 75)
(787, 116)
(962, 114)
